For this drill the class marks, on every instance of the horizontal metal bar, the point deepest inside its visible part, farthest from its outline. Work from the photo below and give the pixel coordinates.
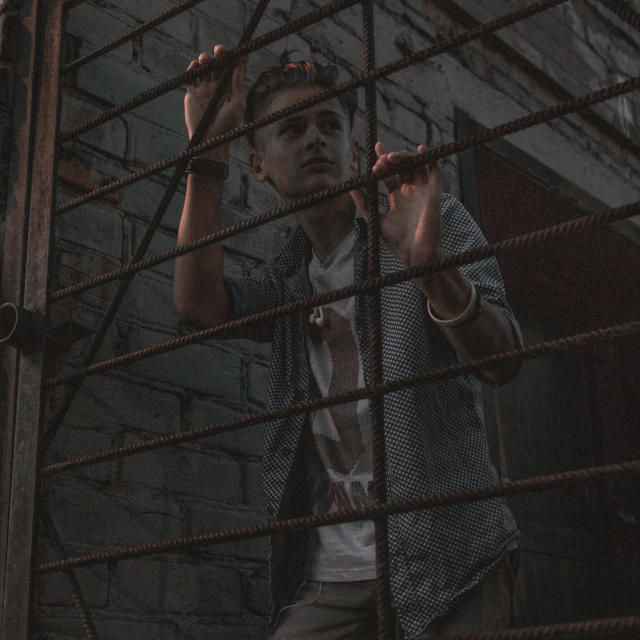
(149, 232)
(380, 72)
(216, 63)
(429, 157)
(390, 386)
(366, 286)
(130, 35)
(369, 512)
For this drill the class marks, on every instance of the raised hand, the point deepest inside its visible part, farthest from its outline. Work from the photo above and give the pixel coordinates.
(199, 93)
(412, 230)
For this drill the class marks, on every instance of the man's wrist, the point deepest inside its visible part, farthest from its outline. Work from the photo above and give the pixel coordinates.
(447, 291)
(219, 154)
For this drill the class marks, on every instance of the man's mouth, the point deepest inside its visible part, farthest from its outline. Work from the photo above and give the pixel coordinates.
(318, 160)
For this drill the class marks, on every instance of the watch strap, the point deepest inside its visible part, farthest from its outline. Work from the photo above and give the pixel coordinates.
(207, 167)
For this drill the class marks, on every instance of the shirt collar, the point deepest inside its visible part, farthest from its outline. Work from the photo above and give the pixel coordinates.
(298, 246)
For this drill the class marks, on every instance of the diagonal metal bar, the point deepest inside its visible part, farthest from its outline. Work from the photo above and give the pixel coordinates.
(390, 386)
(130, 35)
(431, 501)
(433, 155)
(148, 235)
(483, 30)
(226, 329)
(229, 58)
(623, 11)
(376, 375)
(79, 602)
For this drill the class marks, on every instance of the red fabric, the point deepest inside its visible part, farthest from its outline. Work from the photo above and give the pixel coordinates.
(571, 285)
(578, 283)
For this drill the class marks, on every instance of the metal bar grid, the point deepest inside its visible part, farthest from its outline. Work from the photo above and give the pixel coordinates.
(435, 154)
(243, 49)
(152, 227)
(437, 500)
(375, 391)
(483, 30)
(506, 357)
(130, 35)
(528, 239)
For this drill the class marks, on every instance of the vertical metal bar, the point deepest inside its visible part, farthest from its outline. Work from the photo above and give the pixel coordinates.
(149, 233)
(27, 423)
(383, 589)
(14, 248)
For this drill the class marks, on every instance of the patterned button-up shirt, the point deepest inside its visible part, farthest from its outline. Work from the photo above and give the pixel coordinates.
(435, 433)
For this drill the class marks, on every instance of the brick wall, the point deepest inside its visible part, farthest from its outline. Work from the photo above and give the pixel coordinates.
(214, 484)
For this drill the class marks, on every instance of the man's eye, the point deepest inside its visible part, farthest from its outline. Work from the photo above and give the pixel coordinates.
(293, 128)
(332, 124)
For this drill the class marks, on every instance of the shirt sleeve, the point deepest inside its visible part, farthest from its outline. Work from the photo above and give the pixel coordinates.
(254, 294)
(461, 233)
(249, 295)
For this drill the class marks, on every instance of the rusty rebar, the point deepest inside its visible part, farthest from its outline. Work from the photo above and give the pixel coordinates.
(152, 227)
(369, 512)
(385, 617)
(402, 63)
(430, 157)
(130, 35)
(542, 235)
(506, 357)
(216, 63)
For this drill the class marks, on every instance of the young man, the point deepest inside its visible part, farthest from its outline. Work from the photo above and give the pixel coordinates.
(450, 570)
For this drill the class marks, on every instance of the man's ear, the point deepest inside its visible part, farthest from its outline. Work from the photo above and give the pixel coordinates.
(355, 146)
(256, 162)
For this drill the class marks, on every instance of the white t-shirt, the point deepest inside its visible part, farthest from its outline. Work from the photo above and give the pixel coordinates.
(340, 464)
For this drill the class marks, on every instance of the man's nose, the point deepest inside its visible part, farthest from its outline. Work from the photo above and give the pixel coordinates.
(314, 138)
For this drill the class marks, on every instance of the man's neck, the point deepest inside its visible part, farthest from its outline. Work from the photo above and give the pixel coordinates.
(328, 224)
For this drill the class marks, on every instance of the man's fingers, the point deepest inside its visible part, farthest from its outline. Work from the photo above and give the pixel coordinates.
(237, 85)
(218, 51)
(192, 83)
(360, 201)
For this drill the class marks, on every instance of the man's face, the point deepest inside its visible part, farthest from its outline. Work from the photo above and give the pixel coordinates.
(307, 152)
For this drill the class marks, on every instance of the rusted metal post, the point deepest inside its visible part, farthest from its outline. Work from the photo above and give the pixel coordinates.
(383, 588)
(14, 241)
(30, 279)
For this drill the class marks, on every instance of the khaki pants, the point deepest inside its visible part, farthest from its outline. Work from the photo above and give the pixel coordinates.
(347, 610)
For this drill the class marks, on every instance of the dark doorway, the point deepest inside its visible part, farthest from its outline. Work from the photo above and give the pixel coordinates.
(572, 410)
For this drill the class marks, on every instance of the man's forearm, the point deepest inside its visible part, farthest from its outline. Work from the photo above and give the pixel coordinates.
(491, 332)
(199, 275)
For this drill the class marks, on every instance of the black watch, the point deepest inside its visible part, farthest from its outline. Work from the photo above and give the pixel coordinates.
(206, 167)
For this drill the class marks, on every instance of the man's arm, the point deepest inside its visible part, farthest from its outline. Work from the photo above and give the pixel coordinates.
(200, 296)
(491, 332)
(199, 293)
(424, 225)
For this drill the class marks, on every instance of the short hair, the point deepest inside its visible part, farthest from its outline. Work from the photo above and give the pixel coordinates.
(305, 73)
